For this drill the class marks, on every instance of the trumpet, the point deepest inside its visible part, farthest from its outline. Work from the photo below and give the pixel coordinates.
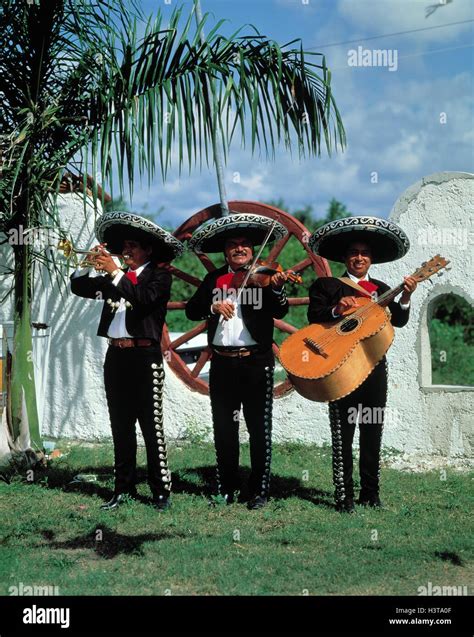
(70, 252)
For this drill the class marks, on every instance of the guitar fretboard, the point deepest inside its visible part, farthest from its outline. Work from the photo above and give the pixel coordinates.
(389, 295)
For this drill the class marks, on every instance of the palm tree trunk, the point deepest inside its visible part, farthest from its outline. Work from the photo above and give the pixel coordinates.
(23, 394)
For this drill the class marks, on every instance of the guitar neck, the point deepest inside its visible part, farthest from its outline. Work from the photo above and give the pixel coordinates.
(424, 272)
(387, 297)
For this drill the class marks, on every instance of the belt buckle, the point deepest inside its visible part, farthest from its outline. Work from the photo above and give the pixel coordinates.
(121, 343)
(241, 353)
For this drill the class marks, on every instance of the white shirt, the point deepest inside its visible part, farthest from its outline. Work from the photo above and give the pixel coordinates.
(232, 332)
(117, 328)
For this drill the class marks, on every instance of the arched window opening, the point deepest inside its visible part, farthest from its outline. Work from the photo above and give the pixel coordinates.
(451, 332)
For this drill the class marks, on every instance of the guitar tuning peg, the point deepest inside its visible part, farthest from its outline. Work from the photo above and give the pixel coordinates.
(440, 273)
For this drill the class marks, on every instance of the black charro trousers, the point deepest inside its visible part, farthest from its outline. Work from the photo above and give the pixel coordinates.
(134, 388)
(368, 401)
(245, 382)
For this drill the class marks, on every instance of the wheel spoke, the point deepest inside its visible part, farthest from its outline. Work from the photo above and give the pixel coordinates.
(206, 261)
(278, 247)
(188, 335)
(285, 327)
(180, 274)
(298, 300)
(176, 305)
(302, 265)
(202, 360)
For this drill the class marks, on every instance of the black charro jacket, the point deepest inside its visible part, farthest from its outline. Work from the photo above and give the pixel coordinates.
(326, 292)
(259, 322)
(148, 297)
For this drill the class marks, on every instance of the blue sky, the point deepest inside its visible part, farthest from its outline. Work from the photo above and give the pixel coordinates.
(393, 119)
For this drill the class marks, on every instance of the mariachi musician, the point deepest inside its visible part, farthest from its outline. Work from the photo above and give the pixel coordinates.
(134, 309)
(358, 242)
(240, 335)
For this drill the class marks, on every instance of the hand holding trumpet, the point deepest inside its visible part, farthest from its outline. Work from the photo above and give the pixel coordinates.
(102, 261)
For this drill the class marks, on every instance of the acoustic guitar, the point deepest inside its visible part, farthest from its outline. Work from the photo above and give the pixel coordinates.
(327, 361)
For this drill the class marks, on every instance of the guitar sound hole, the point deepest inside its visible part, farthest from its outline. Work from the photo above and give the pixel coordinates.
(349, 325)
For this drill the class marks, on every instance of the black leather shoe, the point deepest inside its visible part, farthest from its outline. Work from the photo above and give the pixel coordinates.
(372, 501)
(258, 502)
(346, 506)
(161, 502)
(117, 500)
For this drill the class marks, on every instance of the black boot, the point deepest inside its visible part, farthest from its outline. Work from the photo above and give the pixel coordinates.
(117, 500)
(258, 502)
(370, 500)
(346, 505)
(161, 502)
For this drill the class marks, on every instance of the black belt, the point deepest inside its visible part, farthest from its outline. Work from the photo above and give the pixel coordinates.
(131, 342)
(236, 352)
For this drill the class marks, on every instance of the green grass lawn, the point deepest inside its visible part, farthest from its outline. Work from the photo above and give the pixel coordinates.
(53, 533)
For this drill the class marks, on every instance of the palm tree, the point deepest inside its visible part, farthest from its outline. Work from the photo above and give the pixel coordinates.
(90, 84)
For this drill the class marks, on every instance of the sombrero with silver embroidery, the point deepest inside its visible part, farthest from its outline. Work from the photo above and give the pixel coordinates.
(212, 235)
(113, 228)
(386, 240)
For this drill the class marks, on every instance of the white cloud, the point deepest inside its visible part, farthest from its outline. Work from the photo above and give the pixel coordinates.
(310, 6)
(392, 122)
(374, 17)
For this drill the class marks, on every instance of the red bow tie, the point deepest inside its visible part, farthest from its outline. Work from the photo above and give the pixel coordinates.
(368, 286)
(132, 276)
(224, 281)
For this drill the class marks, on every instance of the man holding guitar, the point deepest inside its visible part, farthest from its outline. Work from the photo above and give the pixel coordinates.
(365, 241)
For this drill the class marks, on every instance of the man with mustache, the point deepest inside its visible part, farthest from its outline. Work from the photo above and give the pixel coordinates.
(240, 334)
(358, 242)
(132, 321)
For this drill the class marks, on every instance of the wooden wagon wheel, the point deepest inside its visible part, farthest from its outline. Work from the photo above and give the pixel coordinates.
(295, 228)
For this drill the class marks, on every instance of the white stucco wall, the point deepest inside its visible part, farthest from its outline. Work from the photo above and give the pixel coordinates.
(419, 419)
(437, 214)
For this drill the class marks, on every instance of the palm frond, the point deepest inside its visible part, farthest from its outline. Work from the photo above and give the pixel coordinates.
(92, 85)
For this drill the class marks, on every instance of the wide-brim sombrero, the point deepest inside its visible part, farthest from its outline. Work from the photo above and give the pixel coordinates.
(113, 228)
(212, 235)
(386, 240)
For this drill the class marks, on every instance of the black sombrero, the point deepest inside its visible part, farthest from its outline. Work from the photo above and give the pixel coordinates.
(387, 241)
(212, 235)
(113, 228)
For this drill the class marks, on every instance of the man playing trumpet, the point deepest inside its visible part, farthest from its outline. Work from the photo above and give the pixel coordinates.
(132, 320)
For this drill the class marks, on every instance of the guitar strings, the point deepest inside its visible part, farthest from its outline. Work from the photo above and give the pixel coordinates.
(331, 333)
(386, 298)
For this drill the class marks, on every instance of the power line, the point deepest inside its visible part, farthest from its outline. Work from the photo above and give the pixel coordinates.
(386, 35)
(452, 48)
